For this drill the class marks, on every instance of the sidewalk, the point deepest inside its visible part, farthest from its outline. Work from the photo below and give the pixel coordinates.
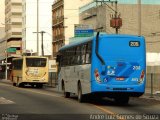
(147, 95)
(47, 88)
(5, 81)
(154, 96)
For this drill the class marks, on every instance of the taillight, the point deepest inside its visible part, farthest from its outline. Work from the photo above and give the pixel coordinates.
(97, 75)
(120, 78)
(142, 77)
(27, 73)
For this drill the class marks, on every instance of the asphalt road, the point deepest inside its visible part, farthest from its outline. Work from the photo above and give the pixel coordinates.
(43, 104)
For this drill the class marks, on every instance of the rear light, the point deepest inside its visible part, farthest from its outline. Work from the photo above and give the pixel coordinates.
(142, 77)
(27, 73)
(97, 76)
(120, 64)
(120, 78)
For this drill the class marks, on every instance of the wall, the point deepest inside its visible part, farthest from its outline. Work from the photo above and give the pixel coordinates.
(2, 49)
(129, 14)
(71, 16)
(2, 11)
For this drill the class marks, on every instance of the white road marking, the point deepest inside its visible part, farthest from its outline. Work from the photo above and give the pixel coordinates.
(5, 101)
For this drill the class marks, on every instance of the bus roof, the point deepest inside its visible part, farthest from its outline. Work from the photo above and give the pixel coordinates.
(84, 40)
(29, 57)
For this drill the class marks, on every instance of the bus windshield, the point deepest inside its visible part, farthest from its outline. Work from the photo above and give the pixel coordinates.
(36, 62)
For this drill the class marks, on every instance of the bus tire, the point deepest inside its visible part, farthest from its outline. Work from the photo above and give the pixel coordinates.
(80, 96)
(14, 84)
(32, 85)
(21, 85)
(122, 100)
(66, 94)
(39, 85)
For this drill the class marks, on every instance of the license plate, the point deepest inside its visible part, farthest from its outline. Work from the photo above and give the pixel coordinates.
(119, 78)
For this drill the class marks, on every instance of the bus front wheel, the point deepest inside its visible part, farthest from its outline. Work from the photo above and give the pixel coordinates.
(14, 84)
(66, 94)
(21, 85)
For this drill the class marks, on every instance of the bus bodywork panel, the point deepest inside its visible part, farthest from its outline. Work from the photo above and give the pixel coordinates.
(29, 74)
(17, 76)
(72, 74)
(125, 64)
(35, 74)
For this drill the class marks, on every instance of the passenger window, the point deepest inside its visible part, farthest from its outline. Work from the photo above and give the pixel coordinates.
(79, 56)
(84, 54)
(88, 53)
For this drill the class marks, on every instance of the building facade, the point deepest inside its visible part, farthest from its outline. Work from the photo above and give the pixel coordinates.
(2, 11)
(150, 21)
(2, 48)
(13, 27)
(29, 26)
(65, 14)
(2, 30)
(2, 44)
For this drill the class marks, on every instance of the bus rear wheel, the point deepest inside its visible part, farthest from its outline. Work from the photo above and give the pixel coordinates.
(39, 85)
(80, 96)
(66, 94)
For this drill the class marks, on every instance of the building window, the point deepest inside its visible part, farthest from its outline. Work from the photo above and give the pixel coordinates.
(16, 33)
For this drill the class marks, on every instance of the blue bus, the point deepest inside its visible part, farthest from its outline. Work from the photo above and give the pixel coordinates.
(105, 65)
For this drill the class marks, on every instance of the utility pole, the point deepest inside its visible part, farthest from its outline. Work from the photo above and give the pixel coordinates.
(98, 28)
(116, 22)
(42, 47)
(139, 17)
(37, 27)
(6, 75)
(96, 16)
(116, 14)
(42, 32)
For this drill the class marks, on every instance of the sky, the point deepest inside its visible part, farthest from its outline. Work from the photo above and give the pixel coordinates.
(2, 10)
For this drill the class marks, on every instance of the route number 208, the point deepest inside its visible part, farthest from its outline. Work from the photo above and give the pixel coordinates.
(136, 67)
(134, 43)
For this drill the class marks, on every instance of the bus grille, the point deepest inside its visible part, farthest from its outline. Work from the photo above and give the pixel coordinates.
(119, 88)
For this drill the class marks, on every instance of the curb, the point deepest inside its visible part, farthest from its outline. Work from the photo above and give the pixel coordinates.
(51, 89)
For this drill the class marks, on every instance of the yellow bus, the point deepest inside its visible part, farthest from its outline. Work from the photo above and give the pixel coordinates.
(30, 70)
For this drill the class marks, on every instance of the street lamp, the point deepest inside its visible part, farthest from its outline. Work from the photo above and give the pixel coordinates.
(37, 27)
(139, 17)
